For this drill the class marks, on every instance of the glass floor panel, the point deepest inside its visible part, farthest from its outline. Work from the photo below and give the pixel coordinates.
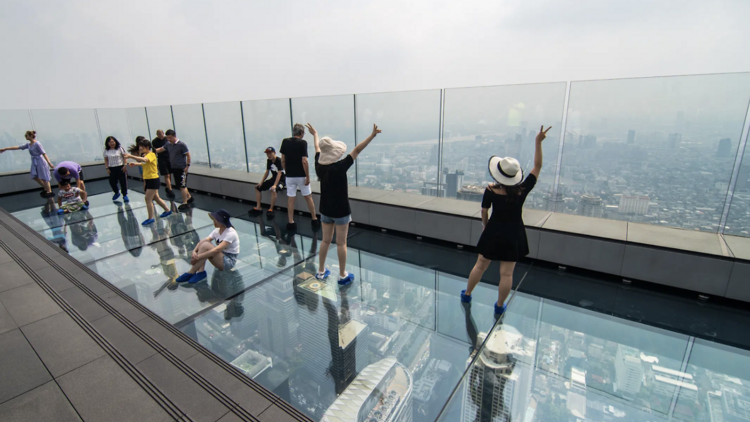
(397, 344)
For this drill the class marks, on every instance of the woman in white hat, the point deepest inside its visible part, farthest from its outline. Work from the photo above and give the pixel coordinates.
(504, 235)
(335, 213)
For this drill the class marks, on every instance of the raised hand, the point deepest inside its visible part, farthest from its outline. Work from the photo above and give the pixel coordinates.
(375, 131)
(542, 134)
(311, 129)
(131, 164)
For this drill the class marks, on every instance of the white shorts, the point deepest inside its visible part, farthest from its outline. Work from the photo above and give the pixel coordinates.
(297, 183)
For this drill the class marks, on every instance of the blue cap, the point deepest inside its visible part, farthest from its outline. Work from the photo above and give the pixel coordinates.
(269, 149)
(222, 217)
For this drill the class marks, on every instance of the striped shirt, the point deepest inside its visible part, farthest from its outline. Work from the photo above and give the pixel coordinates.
(115, 157)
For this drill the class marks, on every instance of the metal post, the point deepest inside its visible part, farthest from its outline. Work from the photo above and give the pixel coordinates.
(356, 167)
(205, 131)
(148, 125)
(244, 137)
(174, 127)
(441, 123)
(563, 129)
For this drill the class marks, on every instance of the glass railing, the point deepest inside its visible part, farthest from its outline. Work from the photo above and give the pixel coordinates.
(665, 151)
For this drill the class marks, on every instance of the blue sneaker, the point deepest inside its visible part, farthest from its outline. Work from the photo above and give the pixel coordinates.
(346, 280)
(499, 310)
(147, 222)
(85, 207)
(116, 197)
(464, 297)
(323, 276)
(61, 211)
(165, 214)
(183, 278)
(199, 276)
(126, 199)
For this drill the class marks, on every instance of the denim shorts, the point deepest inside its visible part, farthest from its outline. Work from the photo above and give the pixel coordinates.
(230, 260)
(341, 221)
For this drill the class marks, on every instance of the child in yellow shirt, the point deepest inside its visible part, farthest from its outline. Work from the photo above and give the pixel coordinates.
(151, 179)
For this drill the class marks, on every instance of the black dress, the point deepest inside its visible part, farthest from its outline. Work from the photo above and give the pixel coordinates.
(504, 237)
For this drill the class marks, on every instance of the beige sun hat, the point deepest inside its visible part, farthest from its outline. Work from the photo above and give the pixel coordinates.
(331, 151)
(505, 170)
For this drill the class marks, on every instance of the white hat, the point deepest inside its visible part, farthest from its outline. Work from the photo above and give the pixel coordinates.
(505, 170)
(330, 151)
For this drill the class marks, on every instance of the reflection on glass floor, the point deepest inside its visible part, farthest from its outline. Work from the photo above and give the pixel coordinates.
(397, 344)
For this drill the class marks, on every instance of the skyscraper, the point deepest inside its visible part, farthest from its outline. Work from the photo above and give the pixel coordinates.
(453, 181)
(634, 205)
(278, 328)
(674, 140)
(334, 344)
(724, 150)
(498, 380)
(590, 206)
(628, 371)
(631, 136)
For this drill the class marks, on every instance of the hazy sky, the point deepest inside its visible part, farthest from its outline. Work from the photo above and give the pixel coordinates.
(78, 53)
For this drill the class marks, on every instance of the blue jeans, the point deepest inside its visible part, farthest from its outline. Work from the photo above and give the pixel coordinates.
(340, 221)
(230, 260)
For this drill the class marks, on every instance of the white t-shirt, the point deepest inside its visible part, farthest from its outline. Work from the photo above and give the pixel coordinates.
(229, 236)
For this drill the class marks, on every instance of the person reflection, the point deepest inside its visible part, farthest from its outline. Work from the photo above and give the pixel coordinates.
(185, 238)
(166, 255)
(224, 285)
(56, 224)
(130, 230)
(83, 233)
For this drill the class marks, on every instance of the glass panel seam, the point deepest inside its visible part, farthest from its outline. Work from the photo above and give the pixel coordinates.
(205, 132)
(563, 129)
(441, 123)
(244, 137)
(683, 367)
(356, 166)
(148, 125)
(735, 171)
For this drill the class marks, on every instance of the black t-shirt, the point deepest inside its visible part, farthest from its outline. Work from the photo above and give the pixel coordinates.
(274, 166)
(163, 157)
(294, 149)
(334, 187)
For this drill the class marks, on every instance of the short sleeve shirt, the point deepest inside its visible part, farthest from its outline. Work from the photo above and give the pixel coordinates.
(334, 187)
(150, 170)
(294, 149)
(230, 236)
(115, 157)
(274, 167)
(74, 169)
(177, 153)
(159, 143)
(69, 196)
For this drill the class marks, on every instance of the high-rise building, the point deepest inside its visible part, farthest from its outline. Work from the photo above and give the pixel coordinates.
(381, 392)
(577, 393)
(628, 371)
(452, 182)
(499, 379)
(589, 141)
(590, 206)
(674, 140)
(470, 193)
(634, 205)
(279, 325)
(724, 150)
(735, 405)
(631, 136)
(433, 189)
(743, 178)
(555, 202)
(334, 345)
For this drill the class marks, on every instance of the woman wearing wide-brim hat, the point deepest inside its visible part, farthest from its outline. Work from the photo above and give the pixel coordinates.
(504, 235)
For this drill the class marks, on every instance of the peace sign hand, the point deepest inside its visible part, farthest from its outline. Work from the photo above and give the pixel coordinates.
(375, 130)
(542, 134)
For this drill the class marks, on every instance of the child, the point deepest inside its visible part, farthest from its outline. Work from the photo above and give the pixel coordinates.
(69, 198)
(133, 149)
(151, 180)
(276, 182)
(223, 256)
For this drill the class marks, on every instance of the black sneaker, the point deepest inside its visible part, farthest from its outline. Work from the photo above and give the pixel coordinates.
(183, 207)
(87, 203)
(291, 226)
(49, 194)
(270, 214)
(43, 194)
(254, 213)
(170, 193)
(191, 200)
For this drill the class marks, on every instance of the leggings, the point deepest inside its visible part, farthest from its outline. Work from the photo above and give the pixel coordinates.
(116, 174)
